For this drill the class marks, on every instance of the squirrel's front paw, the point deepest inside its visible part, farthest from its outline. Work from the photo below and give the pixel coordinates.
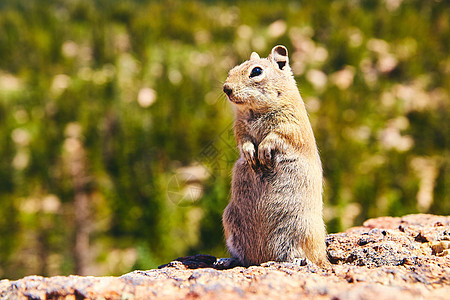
(265, 152)
(248, 150)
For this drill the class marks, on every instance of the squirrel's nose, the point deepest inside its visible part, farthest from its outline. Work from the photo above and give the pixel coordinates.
(227, 90)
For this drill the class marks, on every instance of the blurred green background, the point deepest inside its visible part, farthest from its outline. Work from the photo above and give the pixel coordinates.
(116, 143)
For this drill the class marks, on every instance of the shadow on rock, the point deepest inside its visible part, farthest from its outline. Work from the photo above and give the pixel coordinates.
(193, 262)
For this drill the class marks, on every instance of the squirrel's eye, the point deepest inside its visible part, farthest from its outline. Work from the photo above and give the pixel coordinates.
(256, 72)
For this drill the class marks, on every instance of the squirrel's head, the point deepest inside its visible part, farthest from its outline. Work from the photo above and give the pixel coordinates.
(261, 83)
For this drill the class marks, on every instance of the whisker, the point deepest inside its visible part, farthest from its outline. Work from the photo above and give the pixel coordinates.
(222, 97)
(219, 84)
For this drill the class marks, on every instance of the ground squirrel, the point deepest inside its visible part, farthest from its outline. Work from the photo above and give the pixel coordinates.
(275, 210)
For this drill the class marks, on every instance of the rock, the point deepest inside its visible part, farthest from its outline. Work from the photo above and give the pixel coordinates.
(386, 258)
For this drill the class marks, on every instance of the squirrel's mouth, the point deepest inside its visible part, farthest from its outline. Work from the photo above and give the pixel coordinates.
(234, 100)
(231, 94)
(228, 90)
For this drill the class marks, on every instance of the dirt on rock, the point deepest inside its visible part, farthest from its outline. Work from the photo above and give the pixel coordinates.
(386, 258)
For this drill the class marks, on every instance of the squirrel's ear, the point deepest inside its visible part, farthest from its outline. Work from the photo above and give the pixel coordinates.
(279, 55)
(254, 56)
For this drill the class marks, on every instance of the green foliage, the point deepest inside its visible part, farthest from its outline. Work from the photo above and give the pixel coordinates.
(130, 92)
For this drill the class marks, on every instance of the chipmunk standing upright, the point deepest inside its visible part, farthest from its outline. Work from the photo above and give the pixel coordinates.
(275, 210)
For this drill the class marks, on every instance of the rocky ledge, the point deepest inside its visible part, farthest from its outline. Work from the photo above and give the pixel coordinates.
(386, 258)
